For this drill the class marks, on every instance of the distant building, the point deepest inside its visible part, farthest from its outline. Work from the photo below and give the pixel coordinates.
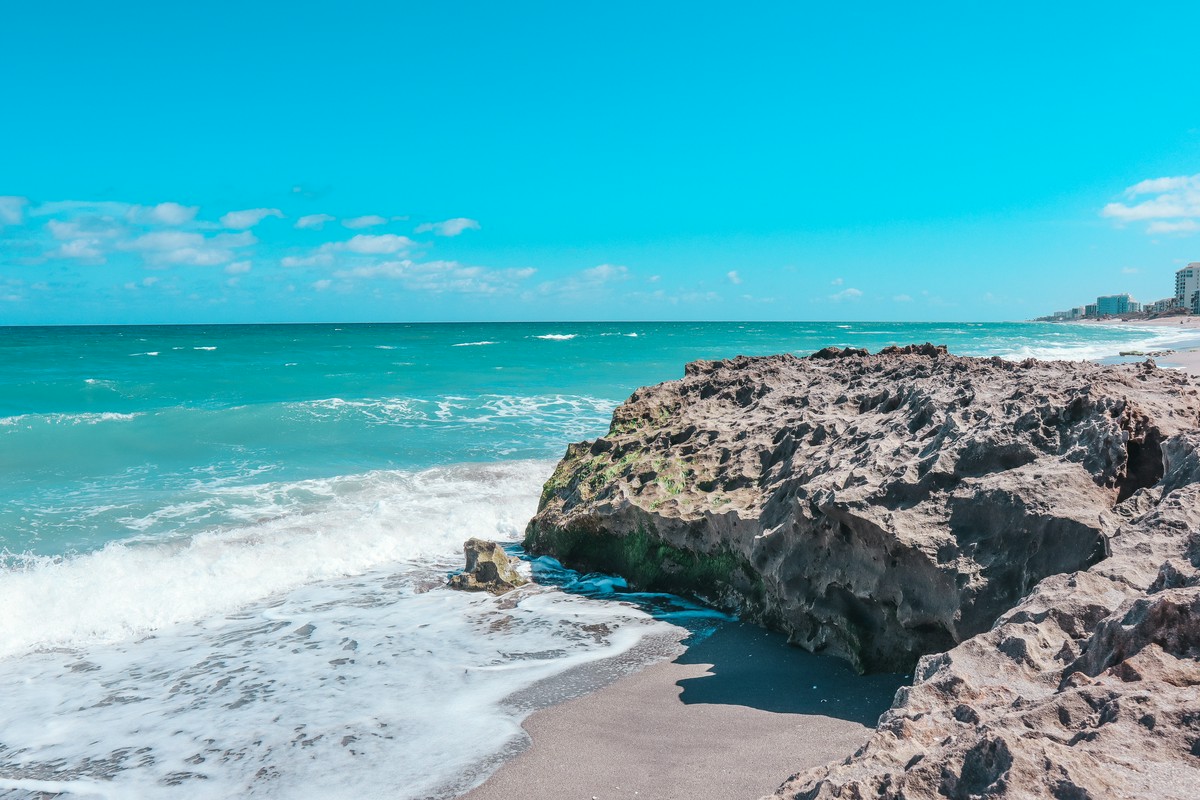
(1159, 306)
(1114, 304)
(1187, 287)
(1091, 310)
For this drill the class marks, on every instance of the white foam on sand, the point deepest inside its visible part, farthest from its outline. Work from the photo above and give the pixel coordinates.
(309, 653)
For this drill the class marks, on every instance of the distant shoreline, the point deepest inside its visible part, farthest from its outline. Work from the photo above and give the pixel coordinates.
(1186, 358)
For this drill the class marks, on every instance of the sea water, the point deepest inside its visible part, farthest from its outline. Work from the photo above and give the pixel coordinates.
(223, 548)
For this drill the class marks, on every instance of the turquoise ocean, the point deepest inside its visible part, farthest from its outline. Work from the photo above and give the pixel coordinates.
(222, 547)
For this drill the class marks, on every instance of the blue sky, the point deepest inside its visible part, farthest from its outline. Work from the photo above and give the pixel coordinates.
(250, 161)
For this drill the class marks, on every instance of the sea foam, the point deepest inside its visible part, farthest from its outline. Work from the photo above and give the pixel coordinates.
(311, 652)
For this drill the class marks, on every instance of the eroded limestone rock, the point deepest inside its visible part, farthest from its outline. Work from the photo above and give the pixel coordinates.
(1029, 531)
(488, 569)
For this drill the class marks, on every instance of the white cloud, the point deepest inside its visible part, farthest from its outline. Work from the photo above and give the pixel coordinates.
(1157, 186)
(606, 272)
(586, 283)
(836, 282)
(314, 221)
(12, 209)
(368, 221)
(315, 260)
(369, 244)
(182, 247)
(849, 293)
(366, 244)
(1130, 270)
(173, 213)
(1172, 205)
(249, 217)
(322, 285)
(87, 227)
(85, 249)
(442, 276)
(1183, 226)
(238, 267)
(449, 227)
(733, 276)
(902, 298)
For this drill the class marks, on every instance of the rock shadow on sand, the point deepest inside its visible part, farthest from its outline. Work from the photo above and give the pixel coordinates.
(756, 668)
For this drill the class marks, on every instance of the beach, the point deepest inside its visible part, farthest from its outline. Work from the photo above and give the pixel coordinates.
(1186, 356)
(731, 716)
(265, 516)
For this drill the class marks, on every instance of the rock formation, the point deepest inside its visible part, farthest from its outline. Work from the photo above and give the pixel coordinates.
(1035, 525)
(488, 569)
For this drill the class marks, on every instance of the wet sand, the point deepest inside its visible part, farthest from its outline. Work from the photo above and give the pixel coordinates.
(731, 717)
(1185, 358)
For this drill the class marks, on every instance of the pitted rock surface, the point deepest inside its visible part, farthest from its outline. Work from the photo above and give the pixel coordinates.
(1029, 531)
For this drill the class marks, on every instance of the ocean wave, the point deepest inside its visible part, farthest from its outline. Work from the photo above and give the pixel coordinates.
(87, 418)
(472, 344)
(557, 337)
(363, 686)
(290, 534)
(149, 353)
(579, 413)
(310, 652)
(1090, 344)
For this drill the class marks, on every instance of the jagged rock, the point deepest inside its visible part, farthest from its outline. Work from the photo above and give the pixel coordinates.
(1037, 522)
(488, 569)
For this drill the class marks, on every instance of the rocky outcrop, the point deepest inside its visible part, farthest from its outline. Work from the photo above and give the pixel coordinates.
(1035, 525)
(1088, 688)
(488, 569)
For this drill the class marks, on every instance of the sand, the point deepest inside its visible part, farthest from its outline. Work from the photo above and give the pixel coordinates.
(1185, 358)
(731, 717)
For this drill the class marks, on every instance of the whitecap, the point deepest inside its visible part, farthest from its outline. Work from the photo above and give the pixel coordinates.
(472, 344)
(558, 337)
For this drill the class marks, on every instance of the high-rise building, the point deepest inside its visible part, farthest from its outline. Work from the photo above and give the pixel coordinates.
(1114, 304)
(1187, 287)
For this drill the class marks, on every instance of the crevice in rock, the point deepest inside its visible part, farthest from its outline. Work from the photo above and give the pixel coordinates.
(1144, 459)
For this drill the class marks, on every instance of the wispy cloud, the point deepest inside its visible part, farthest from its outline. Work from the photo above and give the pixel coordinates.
(369, 244)
(847, 294)
(173, 213)
(586, 283)
(314, 221)
(368, 221)
(161, 248)
(248, 218)
(12, 209)
(449, 227)
(733, 277)
(363, 244)
(442, 276)
(1167, 205)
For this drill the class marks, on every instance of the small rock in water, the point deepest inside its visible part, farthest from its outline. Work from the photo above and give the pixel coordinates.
(488, 569)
